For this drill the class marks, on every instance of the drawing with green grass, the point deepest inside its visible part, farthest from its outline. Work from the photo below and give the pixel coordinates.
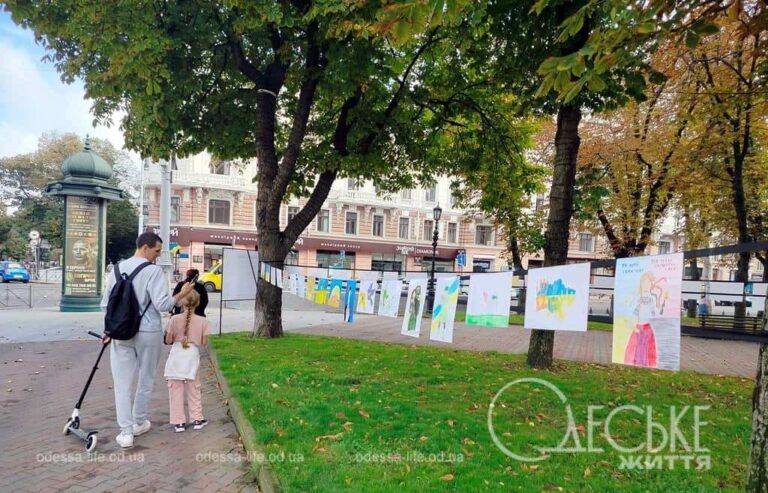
(488, 302)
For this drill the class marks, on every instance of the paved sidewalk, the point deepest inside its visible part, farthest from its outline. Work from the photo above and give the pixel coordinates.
(41, 383)
(737, 358)
(50, 324)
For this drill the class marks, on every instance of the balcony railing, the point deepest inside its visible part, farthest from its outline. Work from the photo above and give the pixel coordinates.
(208, 180)
(368, 198)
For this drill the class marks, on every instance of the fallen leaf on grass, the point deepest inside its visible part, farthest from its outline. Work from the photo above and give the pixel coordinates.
(447, 477)
(341, 415)
(363, 413)
(274, 386)
(330, 437)
(423, 439)
(347, 426)
(450, 423)
(587, 472)
(319, 449)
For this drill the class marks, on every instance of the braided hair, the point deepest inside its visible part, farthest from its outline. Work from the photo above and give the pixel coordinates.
(189, 302)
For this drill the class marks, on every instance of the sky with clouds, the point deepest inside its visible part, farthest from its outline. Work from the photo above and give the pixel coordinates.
(33, 100)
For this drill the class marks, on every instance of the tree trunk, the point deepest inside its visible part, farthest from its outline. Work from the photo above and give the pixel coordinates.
(740, 208)
(514, 249)
(695, 269)
(758, 447)
(763, 258)
(268, 320)
(542, 342)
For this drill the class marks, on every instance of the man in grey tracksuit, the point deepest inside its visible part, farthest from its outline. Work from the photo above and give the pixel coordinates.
(143, 350)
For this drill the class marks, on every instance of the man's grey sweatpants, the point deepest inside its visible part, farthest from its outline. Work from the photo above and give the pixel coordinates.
(143, 351)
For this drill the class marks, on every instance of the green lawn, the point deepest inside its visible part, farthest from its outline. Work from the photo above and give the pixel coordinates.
(358, 414)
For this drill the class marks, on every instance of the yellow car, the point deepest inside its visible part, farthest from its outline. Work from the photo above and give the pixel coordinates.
(212, 279)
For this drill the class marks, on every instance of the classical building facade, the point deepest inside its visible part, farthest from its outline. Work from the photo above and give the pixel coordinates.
(213, 206)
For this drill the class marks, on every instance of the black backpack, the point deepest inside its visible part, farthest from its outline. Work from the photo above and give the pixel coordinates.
(122, 320)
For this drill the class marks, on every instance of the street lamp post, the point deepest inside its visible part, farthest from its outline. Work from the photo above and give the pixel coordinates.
(436, 213)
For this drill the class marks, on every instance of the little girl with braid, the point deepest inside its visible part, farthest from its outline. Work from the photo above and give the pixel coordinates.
(187, 332)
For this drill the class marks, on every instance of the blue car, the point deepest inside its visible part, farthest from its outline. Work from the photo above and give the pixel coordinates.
(13, 271)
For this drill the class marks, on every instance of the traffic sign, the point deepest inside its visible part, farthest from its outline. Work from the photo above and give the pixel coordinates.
(461, 258)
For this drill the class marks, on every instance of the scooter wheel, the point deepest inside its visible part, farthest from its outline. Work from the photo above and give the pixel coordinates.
(66, 426)
(90, 444)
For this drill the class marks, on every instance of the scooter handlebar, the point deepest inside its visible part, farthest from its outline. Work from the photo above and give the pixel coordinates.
(94, 334)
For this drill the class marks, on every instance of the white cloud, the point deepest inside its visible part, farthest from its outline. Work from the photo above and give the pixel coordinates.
(33, 100)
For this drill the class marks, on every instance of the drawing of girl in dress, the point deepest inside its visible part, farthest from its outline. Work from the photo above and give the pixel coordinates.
(650, 302)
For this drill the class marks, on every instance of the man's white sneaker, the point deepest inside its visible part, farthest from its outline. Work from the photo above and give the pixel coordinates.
(125, 440)
(142, 428)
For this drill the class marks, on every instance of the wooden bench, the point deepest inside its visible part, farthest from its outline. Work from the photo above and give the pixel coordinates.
(725, 322)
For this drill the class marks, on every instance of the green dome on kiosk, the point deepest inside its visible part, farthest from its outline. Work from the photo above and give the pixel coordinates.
(86, 165)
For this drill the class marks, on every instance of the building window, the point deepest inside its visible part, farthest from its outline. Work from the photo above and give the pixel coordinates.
(406, 193)
(351, 223)
(145, 212)
(292, 258)
(386, 262)
(353, 184)
(292, 211)
(218, 211)
(324, 221)
(334, 260)
(429, 225)
(175, 209)
(665, 247)
(431, 194)
(405, 225)
(586, 242)
(219, 167)
(441, 264)
(452, 230)
(454, 201)
(483, 235)
(378, 225)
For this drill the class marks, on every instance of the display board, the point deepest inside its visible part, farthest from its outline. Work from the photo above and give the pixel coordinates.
(646, 311)
(239, 274)
(558, 298)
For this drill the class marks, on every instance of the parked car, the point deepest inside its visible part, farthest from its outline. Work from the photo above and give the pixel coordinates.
(211, 279)
(13, 271)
